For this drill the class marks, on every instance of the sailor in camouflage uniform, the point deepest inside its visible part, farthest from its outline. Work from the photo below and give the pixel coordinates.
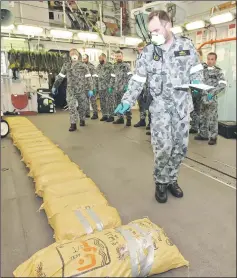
(170, 62)
(105, 77)
(78, 80)
(119, 85)
(91, 99)
(195, 115)
(143, 98)
(213, 76)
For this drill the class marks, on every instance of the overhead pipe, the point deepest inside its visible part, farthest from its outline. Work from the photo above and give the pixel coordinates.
(217, 41)
(121, 18)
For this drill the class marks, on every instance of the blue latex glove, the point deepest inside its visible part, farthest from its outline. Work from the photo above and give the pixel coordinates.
(90, 93)
(209, 96)
(122, 108)
(196, 81)
(195, 92)
(125, 88)
(54, 91)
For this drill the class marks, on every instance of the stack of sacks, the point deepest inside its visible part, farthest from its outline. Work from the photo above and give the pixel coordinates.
(90, 239)
(138, 249)
(70, 197)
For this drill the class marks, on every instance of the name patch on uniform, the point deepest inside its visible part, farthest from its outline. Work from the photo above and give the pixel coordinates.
(182, 53)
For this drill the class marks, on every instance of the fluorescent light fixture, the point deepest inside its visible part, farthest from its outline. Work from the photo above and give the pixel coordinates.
(29, 30)
(61, 34)
(177, 29)
(13, 39)
(6, 29)
(221, 18)
(195, 25)
(87, 36)
(132, 41)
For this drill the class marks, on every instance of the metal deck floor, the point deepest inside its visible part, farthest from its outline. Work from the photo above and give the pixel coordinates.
(120, 161)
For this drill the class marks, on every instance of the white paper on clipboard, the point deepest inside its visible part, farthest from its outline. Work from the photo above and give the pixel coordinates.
(198, 86)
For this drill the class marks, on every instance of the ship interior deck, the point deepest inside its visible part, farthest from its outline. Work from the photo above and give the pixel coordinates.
(120, 161)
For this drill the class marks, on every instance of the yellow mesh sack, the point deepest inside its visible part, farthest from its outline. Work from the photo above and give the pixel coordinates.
(71, 224)
(43, 182)
(69, 187)
(31, 157)
(17, 121)
(138, 249)
(76, 201)
(54, 167)
(16, 138)
(22, 129)
(33, 141)
(26, 153)
(36, 163)
(32, 146)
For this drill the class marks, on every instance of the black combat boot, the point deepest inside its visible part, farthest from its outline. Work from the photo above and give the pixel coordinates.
(82, 123)
(192, 131)
(119, 121)
(161, 193)
(88, 115)
(175, 190)
(148, 133)
(73, 127)
(212, 141)
(200, 138)
(110, 119)
(129, 122)
(104, 119)
(95, 116)
(142, 122)
(148, 127)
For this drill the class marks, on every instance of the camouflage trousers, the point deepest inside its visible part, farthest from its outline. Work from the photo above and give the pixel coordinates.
(117, 98)
(74, 98)
(142, 108)
(209, 120)
(106, 103)
(169, 139)
(91, 100)
(195, 114)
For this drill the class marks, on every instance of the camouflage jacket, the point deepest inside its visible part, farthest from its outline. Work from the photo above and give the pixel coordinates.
(78, 76)
(122, 75)
(214, 76)
(105, 76)
(165, 71)
(92, 71)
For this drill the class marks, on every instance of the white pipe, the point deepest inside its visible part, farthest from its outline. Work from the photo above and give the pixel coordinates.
(121, 22)
(21, 13)
(100, 10)
(64, 15)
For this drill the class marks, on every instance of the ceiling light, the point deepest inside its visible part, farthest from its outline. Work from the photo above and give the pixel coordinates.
(132, 41)
(177, 29)
(87, 36)
(6, 29)
(61, 34)
(221, 18)
(29, 30)
(13, 39)
(195, 25)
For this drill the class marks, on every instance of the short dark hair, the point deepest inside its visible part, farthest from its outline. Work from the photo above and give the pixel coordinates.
(86, 55)
(212, 53)
(162, 15)
(75, 50)
(119, 52)
(103, 55)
